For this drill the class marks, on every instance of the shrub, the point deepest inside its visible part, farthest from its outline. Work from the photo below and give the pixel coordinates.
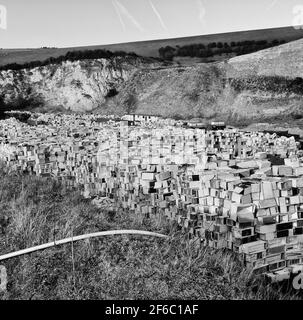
(167, 53)
(131, 103)
(111, 93)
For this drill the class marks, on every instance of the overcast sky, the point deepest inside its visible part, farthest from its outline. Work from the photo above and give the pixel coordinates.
(64, 23)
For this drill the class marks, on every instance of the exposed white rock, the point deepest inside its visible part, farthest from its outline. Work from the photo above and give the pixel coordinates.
(78, 86)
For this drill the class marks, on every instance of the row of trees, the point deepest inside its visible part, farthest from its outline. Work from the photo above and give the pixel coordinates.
(70, 56)
(216, 48)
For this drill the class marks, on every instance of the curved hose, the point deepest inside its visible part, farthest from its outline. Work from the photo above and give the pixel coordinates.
(77, 238)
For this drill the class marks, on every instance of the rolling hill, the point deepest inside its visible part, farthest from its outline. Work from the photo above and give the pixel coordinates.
(263, 86)
(151, 48)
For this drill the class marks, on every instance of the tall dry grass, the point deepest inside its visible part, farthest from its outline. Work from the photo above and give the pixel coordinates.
(36, 210)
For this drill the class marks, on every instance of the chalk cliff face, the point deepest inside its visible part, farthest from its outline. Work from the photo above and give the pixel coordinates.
(263, 86)
(77, 86)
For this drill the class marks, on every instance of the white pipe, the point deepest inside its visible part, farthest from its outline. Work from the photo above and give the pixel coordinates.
(77, 238)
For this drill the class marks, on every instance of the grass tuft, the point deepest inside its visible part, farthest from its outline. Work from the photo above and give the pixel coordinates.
(37, 210)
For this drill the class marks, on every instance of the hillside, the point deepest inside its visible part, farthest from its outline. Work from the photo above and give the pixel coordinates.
(259, 86)
(282, 61)
(151, 48)
(262, 86)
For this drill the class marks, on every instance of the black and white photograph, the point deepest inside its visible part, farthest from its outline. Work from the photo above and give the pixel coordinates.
(151, 150)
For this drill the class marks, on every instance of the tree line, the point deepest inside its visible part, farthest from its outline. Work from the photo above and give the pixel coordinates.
(217, 48)
(69, 56)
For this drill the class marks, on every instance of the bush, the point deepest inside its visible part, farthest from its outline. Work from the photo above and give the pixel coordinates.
(167, 53)
(131, 103)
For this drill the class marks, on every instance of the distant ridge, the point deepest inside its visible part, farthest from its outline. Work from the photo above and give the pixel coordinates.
(151, 48)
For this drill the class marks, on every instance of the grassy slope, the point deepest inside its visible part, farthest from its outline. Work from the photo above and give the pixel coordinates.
(285, 60)
(199, 91)
(33, 209)
(238, 91)
(184, 92)
(150, 48)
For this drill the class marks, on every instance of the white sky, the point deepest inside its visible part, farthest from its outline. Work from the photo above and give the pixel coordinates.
(64, 23)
